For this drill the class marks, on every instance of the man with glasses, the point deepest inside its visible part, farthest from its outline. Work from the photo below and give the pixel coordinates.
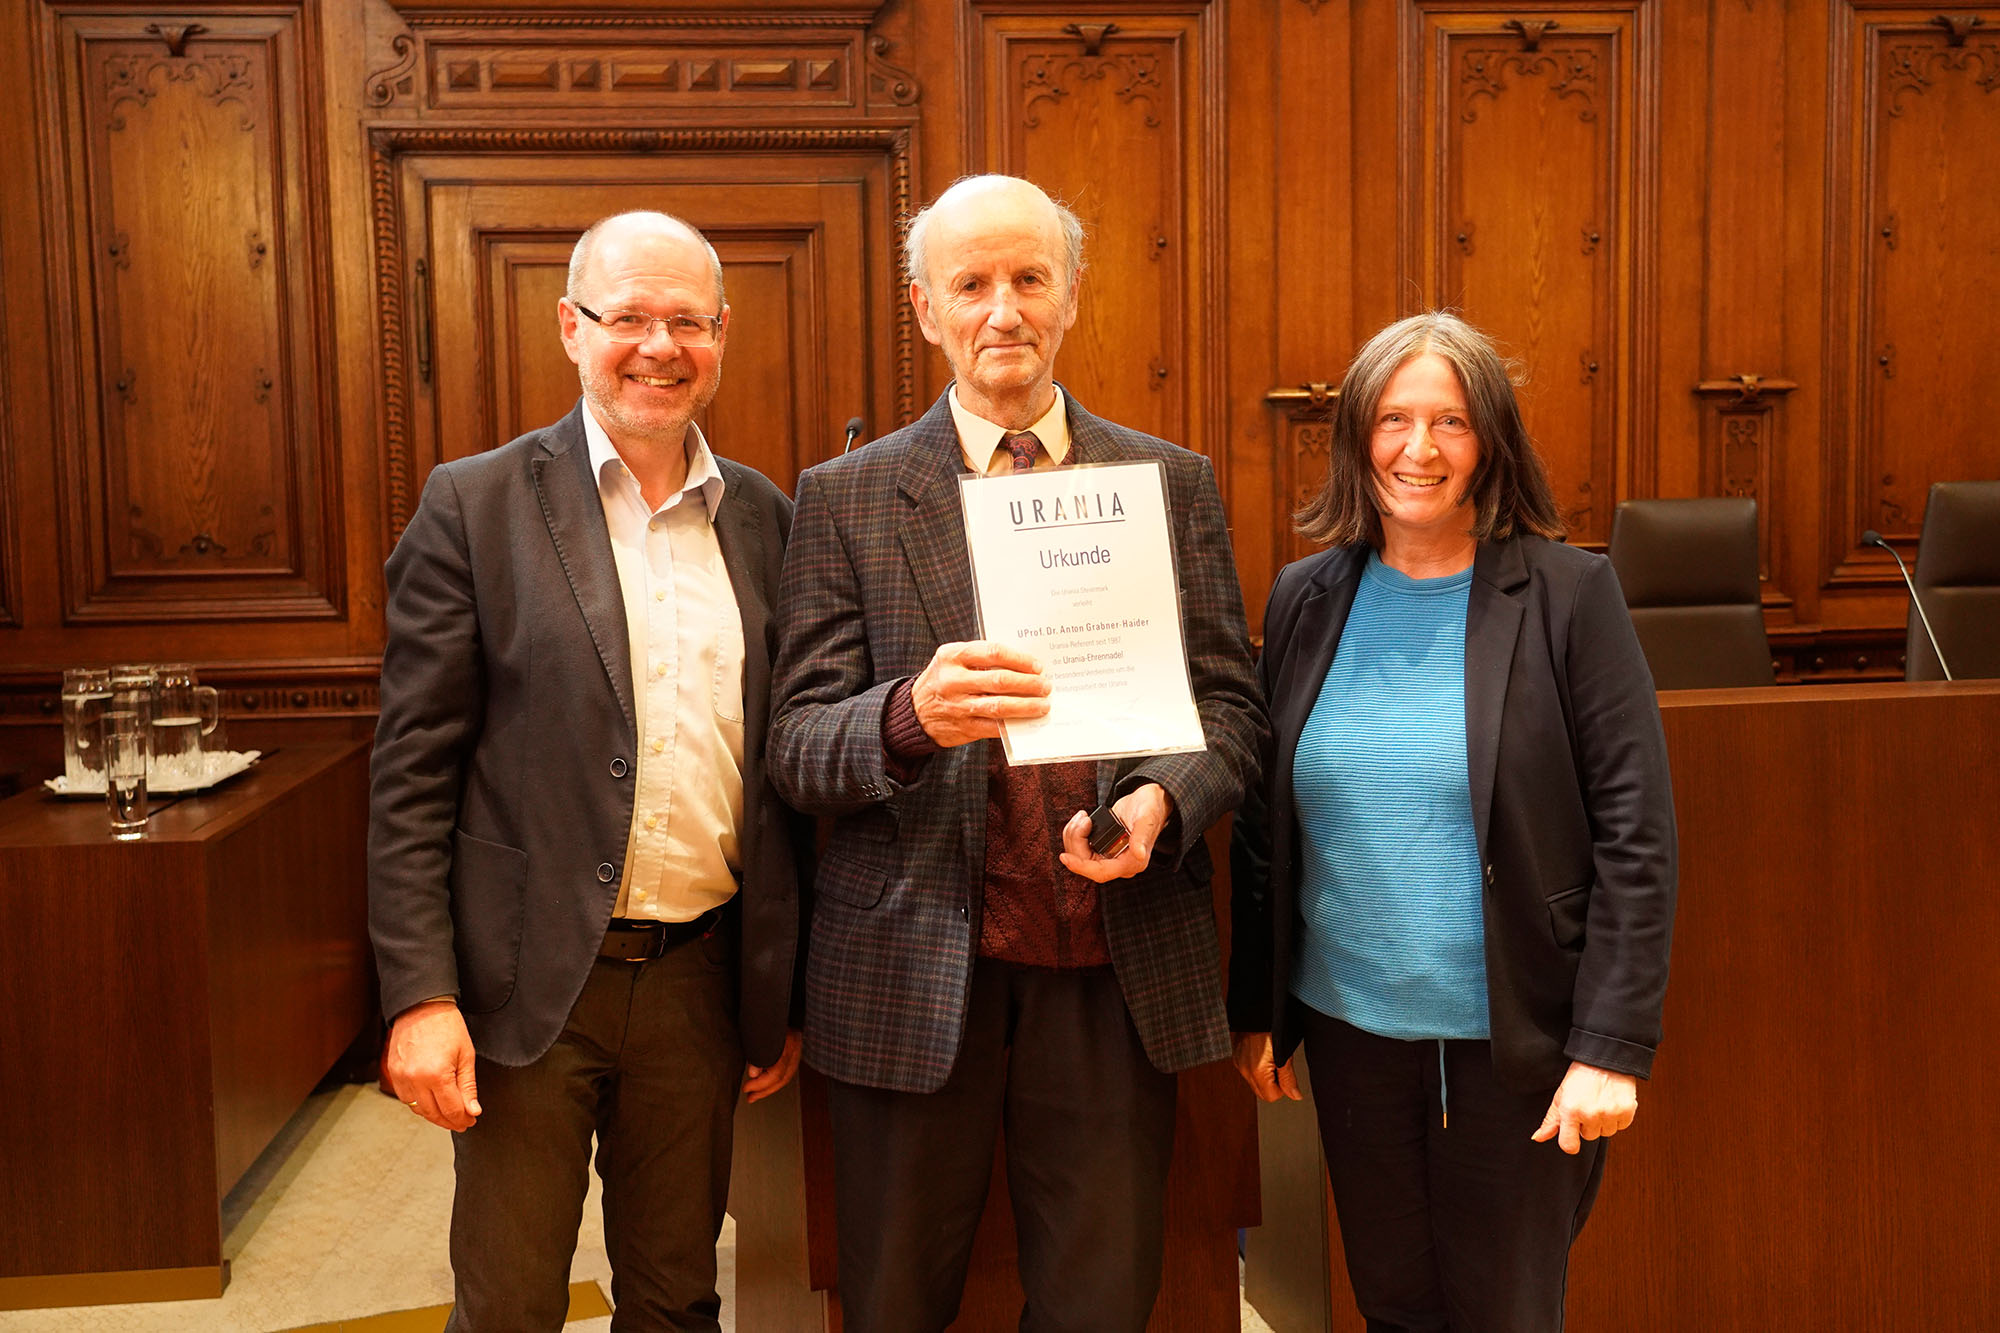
(581, 887)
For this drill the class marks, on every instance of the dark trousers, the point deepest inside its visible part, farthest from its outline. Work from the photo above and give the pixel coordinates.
(651, 1064)
(1089, 1124)
(1465, 1227)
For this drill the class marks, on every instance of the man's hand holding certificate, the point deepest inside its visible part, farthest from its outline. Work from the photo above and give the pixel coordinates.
(1075, 567)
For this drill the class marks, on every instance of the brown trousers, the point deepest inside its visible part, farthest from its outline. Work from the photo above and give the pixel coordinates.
(651, 1064)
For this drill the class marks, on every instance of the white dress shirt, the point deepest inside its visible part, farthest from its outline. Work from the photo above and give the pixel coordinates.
(686, 642)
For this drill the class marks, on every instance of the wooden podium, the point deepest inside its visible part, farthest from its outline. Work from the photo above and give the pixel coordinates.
(1819, 1147)
(165, 1006)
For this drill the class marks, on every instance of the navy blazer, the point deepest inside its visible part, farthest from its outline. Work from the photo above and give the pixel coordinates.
(504, 755)
(1571, 801)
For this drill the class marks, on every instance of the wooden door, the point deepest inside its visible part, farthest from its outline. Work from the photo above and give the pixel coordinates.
(815, 321)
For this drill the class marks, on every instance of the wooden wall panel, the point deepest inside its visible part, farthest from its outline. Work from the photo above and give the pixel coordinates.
(194, 432)
(1527, 209)
(1739, 375)
(10, 560)
(1120, 120)
(1918, 259)
(472, 226)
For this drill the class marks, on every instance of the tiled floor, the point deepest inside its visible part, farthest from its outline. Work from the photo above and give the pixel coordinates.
(345, 1217)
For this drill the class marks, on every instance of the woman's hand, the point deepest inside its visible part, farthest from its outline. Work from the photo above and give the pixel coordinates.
(1592, 1103)
(1256, 1062)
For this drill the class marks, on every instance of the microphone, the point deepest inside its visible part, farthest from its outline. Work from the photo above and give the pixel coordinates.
(1874, 538)
(854, 429)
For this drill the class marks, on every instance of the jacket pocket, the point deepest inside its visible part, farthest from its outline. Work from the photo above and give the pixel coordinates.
(488, 899)
(1567, 913)
(847, 878)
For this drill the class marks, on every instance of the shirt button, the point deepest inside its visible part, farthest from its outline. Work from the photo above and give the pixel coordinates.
(604, 872)
(660, 670)
(618, 768)
(658, 745)
(660, 594)
(652, 821)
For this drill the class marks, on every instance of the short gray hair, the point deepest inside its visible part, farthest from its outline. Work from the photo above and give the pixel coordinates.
(916, 258)
(586, 246)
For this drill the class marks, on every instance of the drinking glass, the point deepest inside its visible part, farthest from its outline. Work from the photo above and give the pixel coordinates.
(85, 691)
(125, 745)
(185, 715)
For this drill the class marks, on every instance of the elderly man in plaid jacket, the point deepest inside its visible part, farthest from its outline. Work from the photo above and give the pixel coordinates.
(972, 963)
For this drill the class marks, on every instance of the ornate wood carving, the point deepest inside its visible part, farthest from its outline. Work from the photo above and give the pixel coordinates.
(1922, 132)
(175, 35)
(576, 73)
(664, 59)
(1531, 31)
(1049, 78)
(189, 488)
(1124, 121)
(886, 82)
(392, 262)
(1572, 73)
(396, 82)
(1740, 446)
(1305, 426)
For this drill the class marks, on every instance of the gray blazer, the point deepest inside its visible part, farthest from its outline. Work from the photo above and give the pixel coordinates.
(876, 577)
(502, 779)
(1571, 801)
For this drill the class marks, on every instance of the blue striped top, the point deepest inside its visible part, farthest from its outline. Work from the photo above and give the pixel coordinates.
(1390, 893)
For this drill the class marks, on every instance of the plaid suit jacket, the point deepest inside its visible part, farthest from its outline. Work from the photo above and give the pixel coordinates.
(876, 577)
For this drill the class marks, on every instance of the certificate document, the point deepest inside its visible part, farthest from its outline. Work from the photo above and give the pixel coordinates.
(1075, 566)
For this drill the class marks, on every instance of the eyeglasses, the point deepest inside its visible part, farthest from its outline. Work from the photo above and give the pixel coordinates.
(635, 326)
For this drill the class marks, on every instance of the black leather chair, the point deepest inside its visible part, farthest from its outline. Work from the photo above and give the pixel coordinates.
(1958, 577)
(1689, 570)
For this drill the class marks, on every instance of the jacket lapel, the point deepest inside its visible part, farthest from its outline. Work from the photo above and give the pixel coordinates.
(575, 515)
(736, 533)
(1315, 640)
(1492, 624)
(933, 534)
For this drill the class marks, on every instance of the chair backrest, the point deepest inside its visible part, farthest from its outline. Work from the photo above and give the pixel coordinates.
(1958, 576)
(1689, 571)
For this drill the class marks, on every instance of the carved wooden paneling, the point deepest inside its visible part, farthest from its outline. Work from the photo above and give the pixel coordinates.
(573, 75)
(1123, 121)
(666, 60)
(1304, 437)
(1741, 445)
(193, 426)
(10, 558)
(1917, 245)
(1527, 208)
(473, 229)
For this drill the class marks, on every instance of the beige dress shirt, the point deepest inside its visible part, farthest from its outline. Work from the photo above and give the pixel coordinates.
(979, 438)
(686, 640)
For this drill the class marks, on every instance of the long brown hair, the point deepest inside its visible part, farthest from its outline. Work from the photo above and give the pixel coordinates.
(1510, 489)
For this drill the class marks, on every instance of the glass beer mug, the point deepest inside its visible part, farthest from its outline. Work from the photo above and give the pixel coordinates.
(185, 715)
(85, 693)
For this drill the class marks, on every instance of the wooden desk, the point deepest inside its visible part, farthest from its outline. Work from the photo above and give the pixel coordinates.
(165, 1006)
(1819, 1147)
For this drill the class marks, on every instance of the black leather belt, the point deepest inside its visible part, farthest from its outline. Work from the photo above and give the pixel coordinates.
(630, 941)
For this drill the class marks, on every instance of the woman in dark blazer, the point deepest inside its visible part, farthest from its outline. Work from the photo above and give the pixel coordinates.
(1456, 884)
